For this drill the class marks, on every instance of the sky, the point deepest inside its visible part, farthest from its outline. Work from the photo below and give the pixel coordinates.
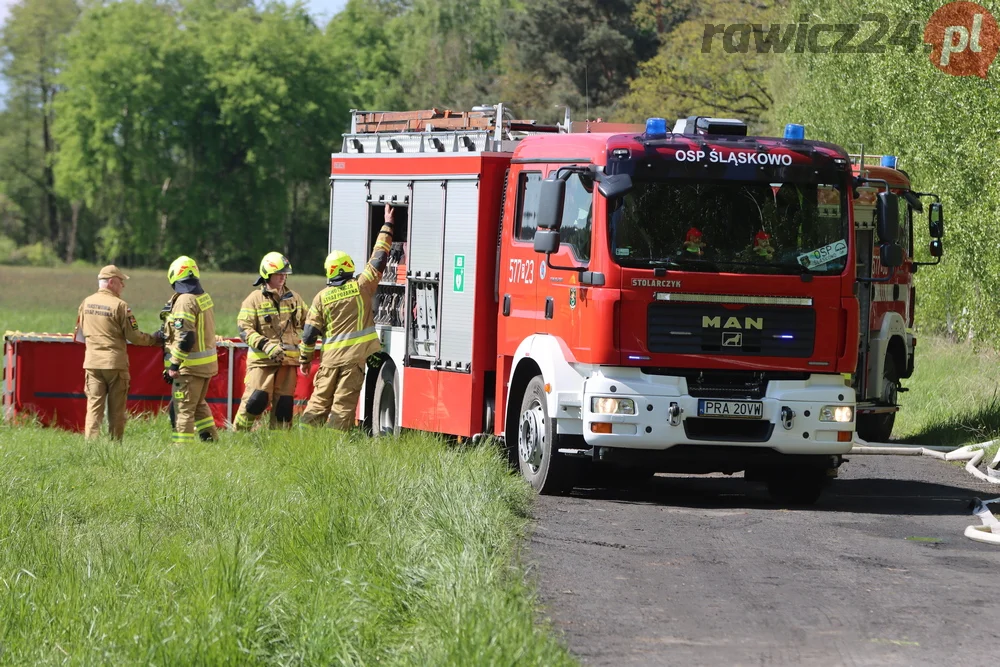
(322, 10)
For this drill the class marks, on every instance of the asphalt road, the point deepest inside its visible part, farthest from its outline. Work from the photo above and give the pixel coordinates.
(707, 571)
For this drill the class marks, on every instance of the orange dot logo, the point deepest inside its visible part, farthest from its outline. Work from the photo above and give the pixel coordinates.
(964, 37)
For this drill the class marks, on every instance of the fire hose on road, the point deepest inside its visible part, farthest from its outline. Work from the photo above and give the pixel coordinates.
(973, 455)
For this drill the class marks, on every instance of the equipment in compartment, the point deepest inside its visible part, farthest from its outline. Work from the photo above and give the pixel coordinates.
(423, 325)
(388, 307)
(397, 258)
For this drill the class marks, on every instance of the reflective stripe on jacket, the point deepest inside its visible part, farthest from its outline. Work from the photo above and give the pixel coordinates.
(268, 316)
(192, 312)
(343, 313)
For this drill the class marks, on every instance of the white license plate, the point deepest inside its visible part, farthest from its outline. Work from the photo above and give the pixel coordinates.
(730, 409)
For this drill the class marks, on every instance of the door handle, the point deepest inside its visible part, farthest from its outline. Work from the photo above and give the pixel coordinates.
(506, 305)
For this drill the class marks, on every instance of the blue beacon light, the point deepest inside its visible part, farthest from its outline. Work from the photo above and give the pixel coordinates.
(889, 161)
(795, 132)
(656, 128)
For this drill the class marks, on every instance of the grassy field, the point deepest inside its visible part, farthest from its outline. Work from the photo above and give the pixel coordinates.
(46, 300)
(953, 396)
(290, 548)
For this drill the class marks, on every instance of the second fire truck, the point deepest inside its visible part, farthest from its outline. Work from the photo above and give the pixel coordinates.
(625, 299)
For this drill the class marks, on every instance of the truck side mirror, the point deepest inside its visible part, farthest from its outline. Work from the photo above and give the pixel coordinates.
(546, 241)
(888, 217)
(550, 204)
(937, 248)
(615, 185)
(891, 255)
(935, 220)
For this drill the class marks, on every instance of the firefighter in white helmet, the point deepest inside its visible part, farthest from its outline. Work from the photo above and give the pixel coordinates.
(341, 318)
(270, 322)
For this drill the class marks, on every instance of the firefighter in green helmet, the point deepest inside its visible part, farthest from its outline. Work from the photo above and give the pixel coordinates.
(270, 323)
(191, 360)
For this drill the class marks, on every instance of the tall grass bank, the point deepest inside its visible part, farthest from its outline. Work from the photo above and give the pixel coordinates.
(269, 548)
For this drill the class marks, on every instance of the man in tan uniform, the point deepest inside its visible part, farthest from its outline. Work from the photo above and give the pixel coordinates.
(270, 322)
(342, 315)
(192, 360)
(104, 322)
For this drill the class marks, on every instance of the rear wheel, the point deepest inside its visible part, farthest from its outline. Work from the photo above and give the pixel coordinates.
(539, 460)
(385, 419)
(878, 427)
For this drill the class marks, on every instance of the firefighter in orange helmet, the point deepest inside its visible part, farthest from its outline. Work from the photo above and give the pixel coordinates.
(270, 322)
(104, 322)
(191, 361)
(341, 316)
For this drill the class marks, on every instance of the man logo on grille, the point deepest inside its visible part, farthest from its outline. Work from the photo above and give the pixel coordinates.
(732, 339)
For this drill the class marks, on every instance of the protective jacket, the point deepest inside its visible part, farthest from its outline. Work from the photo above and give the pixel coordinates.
(342, 313)
(104, 322)
(190, 335)
(268, 318)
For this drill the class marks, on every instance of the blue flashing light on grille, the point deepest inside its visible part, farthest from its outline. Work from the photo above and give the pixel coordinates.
(889, 161)
(795, 132)
(656, 128)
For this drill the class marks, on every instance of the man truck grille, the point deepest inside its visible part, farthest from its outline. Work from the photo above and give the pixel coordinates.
(745, 385)
(683, 328)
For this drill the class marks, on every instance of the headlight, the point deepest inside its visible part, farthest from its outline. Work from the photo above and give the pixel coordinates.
(836, 413)
(612, 406)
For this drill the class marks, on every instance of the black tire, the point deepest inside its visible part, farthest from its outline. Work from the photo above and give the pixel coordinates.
(878, 427)
(384, 415)
(533, 436)
(797, 486)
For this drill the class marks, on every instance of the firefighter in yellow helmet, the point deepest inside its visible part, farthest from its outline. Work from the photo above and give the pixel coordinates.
(191, 360)
(341, 318)
(270, 323)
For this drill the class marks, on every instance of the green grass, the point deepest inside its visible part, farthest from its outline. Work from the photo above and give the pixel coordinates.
(46, 300)
(953, 396)
(266, 548)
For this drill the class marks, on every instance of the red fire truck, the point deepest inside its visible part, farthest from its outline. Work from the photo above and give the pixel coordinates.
(887, 343)
(614, 298)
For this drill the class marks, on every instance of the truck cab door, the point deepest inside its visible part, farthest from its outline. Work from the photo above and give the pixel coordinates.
(520, 315)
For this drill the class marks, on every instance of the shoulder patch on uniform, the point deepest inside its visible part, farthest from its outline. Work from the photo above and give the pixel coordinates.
(204, 301)
(131, 321)
(178, 324)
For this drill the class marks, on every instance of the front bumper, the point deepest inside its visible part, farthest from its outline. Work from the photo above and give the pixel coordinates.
(667, 415)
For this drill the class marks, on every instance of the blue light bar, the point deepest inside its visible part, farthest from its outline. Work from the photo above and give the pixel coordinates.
(889, 161)
(656, 128)
(795, 132)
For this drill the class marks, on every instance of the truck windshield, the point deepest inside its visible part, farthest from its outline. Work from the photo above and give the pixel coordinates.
(731, 226)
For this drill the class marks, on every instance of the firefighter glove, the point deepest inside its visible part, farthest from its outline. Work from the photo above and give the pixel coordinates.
(375, 361)
(274, 352)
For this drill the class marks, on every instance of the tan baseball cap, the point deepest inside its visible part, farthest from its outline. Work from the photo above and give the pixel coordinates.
(111, 271)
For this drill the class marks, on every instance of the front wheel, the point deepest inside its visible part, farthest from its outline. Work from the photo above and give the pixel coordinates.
(547, 471)
(878, 427)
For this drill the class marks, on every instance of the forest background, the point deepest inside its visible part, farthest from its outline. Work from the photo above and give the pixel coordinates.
(134, 131)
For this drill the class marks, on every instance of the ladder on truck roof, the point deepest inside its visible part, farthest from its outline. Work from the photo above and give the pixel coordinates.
(441, 131)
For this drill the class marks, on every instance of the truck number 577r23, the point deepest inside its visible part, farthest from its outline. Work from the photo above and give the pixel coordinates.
(522, 271)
